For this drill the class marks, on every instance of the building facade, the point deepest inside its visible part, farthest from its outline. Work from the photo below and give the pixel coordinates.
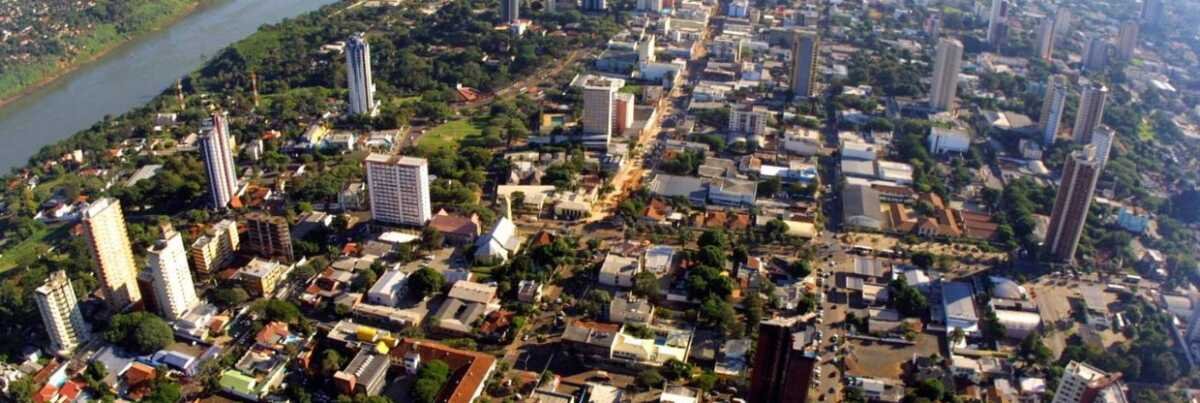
(1053, 105)
(358, 76)
(60, 314)
(215, 249)
(398, 187)
(1090, 112)
(783, 365)
(1071, 203)
(1127, 39)
(174, 291)
(112, 255)
(1083, 383)
(510, 11)
(804, 63)
(997, 30)
(599, 107)
(946, 67)
(269, 236)
(216, 150)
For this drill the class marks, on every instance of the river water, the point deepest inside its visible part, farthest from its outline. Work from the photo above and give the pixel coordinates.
(132, 74)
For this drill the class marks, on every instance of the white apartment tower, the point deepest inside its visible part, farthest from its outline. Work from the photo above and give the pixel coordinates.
(1052, 109)
(1081, 383)
(599, 103)
(1046, 38)
(174, 290)
(1102, 139)
(358, 76)
(945, 74)
(216, 149)
(1090, 112)
(213, 250)
(60, 314)
(112, 256)
(399, 189)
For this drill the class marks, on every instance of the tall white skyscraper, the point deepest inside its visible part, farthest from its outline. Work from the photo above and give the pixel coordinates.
(60, 314)
(997, 30)
(174, 290)
(1052, 109)
(947, 65)
(599, 103)
(399, 189)
(216, 149)
(804, 63)
(1090, 112)
(112, 257)
(358, 76)
(1103, 138)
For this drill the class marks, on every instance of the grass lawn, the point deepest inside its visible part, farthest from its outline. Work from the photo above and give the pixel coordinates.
(631, 89)
(447, 135)
(26, 251)
(1145, 132)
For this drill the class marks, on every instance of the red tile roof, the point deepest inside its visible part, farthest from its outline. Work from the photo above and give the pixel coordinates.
(470, 368)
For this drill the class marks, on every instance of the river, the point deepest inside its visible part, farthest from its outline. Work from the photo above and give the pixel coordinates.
(132, 74)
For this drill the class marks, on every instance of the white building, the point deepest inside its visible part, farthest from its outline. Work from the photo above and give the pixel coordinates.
(174, 291)
(619, 271)
(358, 76)
(112, 256)
(216, 149)
(959, 307)
(747, 119)
(1052, 109)
(599, 105)
(858, 151)
(802, 141)
(1081, 381)
(498, 244)
(943, 141)
(947, 65)
(399, 189)
(60, 314)
(389, 289)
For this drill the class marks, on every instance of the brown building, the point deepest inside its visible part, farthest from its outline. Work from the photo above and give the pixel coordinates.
(783, 363)
(1071, 204)
(269, 236)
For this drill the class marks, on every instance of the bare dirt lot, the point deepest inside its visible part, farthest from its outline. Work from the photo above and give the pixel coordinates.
(884, 360)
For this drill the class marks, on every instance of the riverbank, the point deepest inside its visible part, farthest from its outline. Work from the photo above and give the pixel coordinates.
(45, 72)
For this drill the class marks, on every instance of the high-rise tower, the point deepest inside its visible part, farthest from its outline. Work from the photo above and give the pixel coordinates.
(1074, 197)
(112, 256)
(174, 290)
(1090, 112)
(804, 63)
(216, 149)
(1052, 109)
(399, 189)
(358, 76)
(60, 314)
(946, 67)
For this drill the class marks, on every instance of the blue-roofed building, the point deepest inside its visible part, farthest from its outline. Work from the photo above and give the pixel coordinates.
(1130, 221)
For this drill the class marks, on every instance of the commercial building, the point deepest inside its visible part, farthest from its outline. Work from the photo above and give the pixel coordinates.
(389, 289)
(1053, 104)
(749, 119)
(593, 5)
(112, 255)
(215, 249)
(599, 108)
(398, 187)
(804, 63)
(1083, 383)
(942, 140)
(366, 373)
(60, 314)
(946, 67)
(1074, 197)
(216, 149)
(783, 363)
(174, 291)
(1090, 112)
(358, 76)
(1153, 12)
(269, 236)
(860, 207)
(261, 277)
(623, 108)
(958, 303)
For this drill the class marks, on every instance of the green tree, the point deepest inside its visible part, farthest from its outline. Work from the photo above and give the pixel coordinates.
(429, 382)
(331, 361)
(649, 378)
(273, 310)
(426, 282)
(140, 332)
(907, 299)
(675, 370)
(645, 284)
